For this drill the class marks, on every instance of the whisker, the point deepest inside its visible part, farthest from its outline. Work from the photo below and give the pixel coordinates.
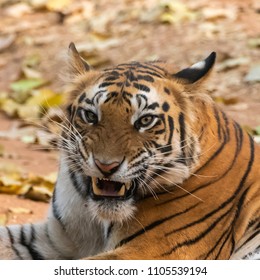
(168, 169)
(149, 188)
(166, 179)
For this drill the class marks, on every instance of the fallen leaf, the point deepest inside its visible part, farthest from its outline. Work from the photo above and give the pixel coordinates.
(174, 12)
(31, 73)
(57, 5)
(38, 4)
(232, 63)
(32, 60)
(19, 210)
(18, 10)
(253, 74)
(248, 129)
(6, 42)
(226, 100)
(28, 139)
(254, 42)
(3, 219)
(212, 14)
(238, 107)
(257, 139)
(171, 11)
(49, 98)
(257, 130)
(26, 85)
(38, 194)
(1, 150)
(14, 181)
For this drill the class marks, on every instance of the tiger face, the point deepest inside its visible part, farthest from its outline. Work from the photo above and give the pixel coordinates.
(126, 136)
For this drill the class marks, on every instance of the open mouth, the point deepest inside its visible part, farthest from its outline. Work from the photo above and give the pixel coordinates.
(105, 188)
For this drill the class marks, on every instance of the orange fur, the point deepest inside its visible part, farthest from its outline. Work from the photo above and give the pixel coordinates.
(224, 177)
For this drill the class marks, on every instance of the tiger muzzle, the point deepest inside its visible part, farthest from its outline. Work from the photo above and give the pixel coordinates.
(107, 189)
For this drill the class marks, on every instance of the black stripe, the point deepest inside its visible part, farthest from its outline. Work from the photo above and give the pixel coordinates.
(182, 133)
(88, 101)
(141, 87)
(217, 118)
(82, 97)
(171, 129)
(109, 230)
(153, 105)
(241, 184)
(206, 256)
(240, 135)
(130, 75)
(111, 78)
(147, 78)
(165, 106)
(147, 66)
(22, 236)
(198, 237)
(152, 73)
(69, 109)
(155, 66)
(76, 183)
(238, 148)
(55, 210)
(153, 225)
(238, 211)
(167, 91)
(105, 84)
(228, 200)
(30, 246)
(159, 132)
(224, 243)
(226, 120)
(253, 224)
(221, 147)
(127, 96)
(12, 243)
(229, 230)
(240, 204)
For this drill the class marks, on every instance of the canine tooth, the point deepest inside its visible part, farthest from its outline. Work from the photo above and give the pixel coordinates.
(96, 190)
(122, 190)
(128, 185)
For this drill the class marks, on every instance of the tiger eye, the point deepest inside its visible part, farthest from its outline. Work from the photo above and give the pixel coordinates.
(144, 121)
(89, 116)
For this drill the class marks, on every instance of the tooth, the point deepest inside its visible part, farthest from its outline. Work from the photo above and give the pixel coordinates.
(128, 185)
(122, 191)
(96, 190)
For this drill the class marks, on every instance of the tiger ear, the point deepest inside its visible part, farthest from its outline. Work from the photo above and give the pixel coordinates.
(77, 65)
(197, 72)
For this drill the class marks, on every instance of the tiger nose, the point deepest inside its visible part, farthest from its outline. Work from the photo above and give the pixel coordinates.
(107, 168)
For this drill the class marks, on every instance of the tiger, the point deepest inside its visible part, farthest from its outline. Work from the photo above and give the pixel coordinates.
(150, 168)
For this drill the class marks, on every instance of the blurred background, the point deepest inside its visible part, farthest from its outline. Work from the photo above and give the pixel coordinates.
(34, 37)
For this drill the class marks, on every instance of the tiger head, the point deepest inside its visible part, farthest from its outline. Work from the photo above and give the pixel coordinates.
(129, 131)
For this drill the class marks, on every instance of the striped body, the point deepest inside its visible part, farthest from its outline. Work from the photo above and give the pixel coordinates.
(150, 168)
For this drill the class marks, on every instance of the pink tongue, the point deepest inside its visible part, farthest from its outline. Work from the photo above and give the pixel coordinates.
(108, 188)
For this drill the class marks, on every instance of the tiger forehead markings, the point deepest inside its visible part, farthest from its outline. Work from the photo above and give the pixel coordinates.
(120, 98)
(150, 168)
(126, 88)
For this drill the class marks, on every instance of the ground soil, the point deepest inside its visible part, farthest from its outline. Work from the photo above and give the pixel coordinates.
(182, 43)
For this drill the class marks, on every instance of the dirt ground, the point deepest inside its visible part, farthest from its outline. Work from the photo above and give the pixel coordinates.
(112, 32)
